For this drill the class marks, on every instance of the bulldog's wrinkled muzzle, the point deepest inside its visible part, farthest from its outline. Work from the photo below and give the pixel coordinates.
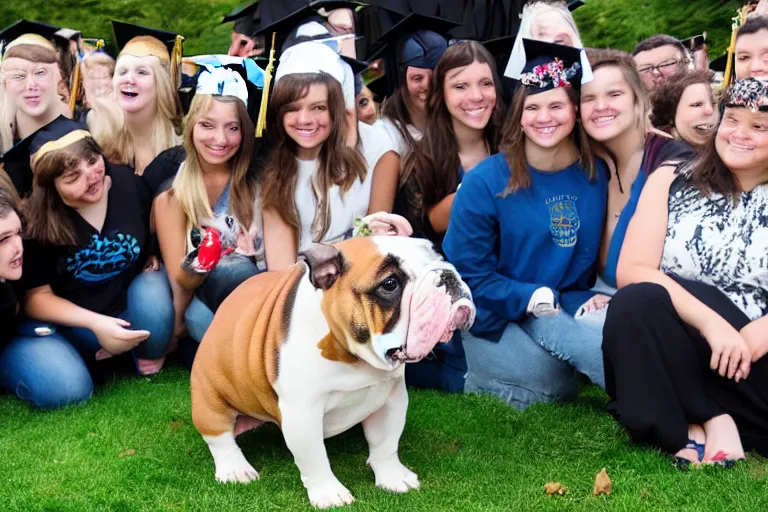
(440, 303)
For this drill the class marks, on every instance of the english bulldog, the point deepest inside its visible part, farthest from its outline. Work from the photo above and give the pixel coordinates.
(320, 347)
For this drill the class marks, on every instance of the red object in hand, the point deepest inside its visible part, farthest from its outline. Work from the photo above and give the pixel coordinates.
(209, 253)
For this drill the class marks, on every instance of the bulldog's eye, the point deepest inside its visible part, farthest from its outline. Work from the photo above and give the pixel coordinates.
(389, 286)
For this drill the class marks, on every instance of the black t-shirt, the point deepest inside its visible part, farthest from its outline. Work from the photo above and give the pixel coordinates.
(96, 274)
(161, 171)
(8, 312)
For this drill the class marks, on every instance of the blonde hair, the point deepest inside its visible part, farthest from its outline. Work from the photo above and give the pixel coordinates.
(33, 53)
(188, 187)
(534, 11)
(111, 132)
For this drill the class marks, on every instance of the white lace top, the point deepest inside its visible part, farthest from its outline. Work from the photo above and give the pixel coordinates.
(721, 242)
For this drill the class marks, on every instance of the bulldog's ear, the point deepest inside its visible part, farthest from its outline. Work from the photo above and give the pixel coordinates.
(326, 264)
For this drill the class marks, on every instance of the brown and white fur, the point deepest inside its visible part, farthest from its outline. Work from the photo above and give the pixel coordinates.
(320, 347)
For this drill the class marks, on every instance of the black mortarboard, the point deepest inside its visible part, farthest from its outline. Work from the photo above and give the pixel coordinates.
(27, 32)
(246, 17)
(379, 88)
(695, 42)
(283, 16)
(58, 134)
(415, 41)
(142, 41)
(501, 49)
(541, 66)
(574, 4)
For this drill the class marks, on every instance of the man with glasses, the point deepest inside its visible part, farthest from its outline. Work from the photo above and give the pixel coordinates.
(659, 57)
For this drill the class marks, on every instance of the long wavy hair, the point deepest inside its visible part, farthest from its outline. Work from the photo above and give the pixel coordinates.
(188, 186)
(33, 53)
(338, 164)
(110, 130)
(434, 162)
(48, 219)
(513, 143)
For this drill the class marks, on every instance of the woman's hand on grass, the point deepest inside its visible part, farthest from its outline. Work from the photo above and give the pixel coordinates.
(731, 356)
(115, 336)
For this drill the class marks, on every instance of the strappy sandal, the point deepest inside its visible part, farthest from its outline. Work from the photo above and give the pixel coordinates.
(684, 464)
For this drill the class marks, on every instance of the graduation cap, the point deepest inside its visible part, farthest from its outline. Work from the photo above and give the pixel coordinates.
(228, 76)
(283, 16)
(414, 41)
(750, 93)
(501, 49)
(541, 66)
(315, 31)
(315, 57)
(246, 17)
(58, 134)
(574, 4)
(27, 32)
(694, 43)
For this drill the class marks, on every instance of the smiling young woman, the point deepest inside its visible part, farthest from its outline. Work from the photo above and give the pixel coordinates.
(465, 111)
(686, 335)
(685, 107)
(528, 278)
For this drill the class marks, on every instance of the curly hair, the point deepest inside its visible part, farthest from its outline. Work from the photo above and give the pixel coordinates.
(666, 97)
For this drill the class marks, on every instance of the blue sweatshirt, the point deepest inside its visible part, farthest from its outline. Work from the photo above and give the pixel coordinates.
(505, 248)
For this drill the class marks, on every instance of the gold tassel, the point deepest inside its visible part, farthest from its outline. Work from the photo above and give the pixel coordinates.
(178, 52)
(75, 88)
(261, 123)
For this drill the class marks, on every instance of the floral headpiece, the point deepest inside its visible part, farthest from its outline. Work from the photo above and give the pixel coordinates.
(750, 93)
(551, 75)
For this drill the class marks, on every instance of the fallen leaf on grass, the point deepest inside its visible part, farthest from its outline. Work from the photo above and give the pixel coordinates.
(127, 453)
(555, 488)
(644, 494)
(602, 484)
(91, 435)
(176, 424)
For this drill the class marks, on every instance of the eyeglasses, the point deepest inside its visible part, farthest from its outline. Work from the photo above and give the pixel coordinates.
(664, 66)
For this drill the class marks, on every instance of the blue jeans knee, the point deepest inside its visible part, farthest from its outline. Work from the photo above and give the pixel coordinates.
(517, 369)
(197, 317)
(150, 308)
(45, 371)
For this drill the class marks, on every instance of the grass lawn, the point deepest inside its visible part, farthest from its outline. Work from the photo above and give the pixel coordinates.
(133, 447)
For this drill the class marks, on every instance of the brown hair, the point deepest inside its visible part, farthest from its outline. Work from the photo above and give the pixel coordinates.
(8, 202)
(434, 161)
(338, 164)
(666, 97)
(513, 143)
(657, 41)
(395, 108)
(46, 214)
(753, 25)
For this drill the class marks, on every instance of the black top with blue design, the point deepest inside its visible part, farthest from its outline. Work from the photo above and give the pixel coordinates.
(96, 274)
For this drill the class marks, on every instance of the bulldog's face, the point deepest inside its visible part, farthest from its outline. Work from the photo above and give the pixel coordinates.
(388, 299)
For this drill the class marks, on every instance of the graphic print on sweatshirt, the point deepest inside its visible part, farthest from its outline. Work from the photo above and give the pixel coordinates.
(104, 258)
(564, 222)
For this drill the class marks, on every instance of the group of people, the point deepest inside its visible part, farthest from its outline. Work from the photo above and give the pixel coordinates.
(608, 210)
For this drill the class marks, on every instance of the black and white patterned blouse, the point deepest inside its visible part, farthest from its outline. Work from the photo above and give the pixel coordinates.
(721, 242)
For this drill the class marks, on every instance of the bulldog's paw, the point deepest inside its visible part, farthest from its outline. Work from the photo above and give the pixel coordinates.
(330, 494)
(394, 476)
(236, 469)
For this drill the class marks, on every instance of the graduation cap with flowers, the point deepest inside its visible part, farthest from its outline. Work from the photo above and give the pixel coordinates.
(541, 66)
(750, 93)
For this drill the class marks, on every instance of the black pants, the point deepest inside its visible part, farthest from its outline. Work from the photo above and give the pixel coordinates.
(657, 370)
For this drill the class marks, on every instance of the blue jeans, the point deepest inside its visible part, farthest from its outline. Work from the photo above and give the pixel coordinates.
(536, 360)
(52, 371)
(223, 279)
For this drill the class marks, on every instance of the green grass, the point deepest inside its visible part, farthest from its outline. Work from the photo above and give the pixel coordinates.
(471, 453)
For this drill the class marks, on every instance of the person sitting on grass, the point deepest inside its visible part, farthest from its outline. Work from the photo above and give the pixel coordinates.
(214, 181)
(11, 257)
(524, 233)
(685, 336)
(87, 292)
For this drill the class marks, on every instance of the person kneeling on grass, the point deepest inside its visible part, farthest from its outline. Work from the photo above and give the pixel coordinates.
(685, 336)
(524, 233)
(88, 237)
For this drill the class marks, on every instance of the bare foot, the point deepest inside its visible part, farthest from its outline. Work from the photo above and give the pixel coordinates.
(723, 441)
(695, 433)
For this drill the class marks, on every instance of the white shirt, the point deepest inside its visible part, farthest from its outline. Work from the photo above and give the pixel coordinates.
(375, 142)
(343, 208)
(401, 146)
